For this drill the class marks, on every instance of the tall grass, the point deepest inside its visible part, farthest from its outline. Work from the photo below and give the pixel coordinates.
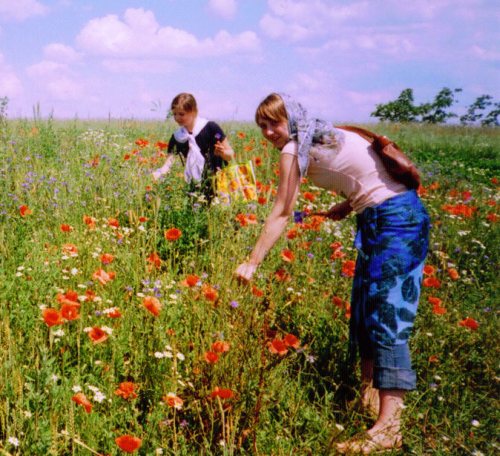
(73, 191)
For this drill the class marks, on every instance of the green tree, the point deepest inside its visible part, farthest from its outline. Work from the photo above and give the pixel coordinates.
(400, 110)
(437, 111)
(472, 115)
(491, 119)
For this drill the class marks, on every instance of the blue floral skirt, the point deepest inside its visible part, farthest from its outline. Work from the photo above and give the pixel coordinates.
(392, 242)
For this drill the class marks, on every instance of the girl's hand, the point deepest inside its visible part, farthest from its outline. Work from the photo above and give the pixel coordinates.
(219, 149)
(337, 212)
(245, 271)
(224, 150)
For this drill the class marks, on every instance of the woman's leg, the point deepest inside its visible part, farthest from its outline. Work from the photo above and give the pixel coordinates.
(369, 395)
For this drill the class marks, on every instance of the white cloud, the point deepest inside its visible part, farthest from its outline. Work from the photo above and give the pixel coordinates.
(139, 35)
(297, 20)
(223, 8)
(481, 53)
(20, 10)
(139, 66)
(10, 84)
(57, 80)
(58, 52)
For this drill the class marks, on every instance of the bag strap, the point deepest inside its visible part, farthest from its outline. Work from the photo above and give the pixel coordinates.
(370, 136)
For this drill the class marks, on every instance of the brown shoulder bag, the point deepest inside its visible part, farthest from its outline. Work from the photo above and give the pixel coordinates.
(399, 166)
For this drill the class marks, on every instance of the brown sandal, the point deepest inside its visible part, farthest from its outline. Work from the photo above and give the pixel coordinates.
(363, 443)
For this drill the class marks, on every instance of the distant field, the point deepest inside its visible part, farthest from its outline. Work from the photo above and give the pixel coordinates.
(108, 329)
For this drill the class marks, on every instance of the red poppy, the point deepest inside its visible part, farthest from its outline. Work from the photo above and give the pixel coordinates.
(174, 401)
(210, 293)
(141, 142)
(291, 341)
(70, 297)
(292, 233)
(223, 393)
(492, 217)
(429, 270)
(348, 268)
(282, 276)
(52, 317)
(191, 280)
(69, 249)
(70, 311)
(278, 347)
(126, 390)
(257, 292)
(433, 359)
(338, 302)
(287, 255)
(309, 196)
(220, 346)
(65, 228)
(127, 157)
(113, 222)
(152, 304)
(89, 221)
(143, 219)
(97, 335)
(438, 310)
(453, 273)
(90, 295)
(211, 357)
(114, 313)
(128, 443)
(431, 282)
(337, 254)
(257, 161)
(262, 200)
(172, 234)
(336, 245)
(161, 145)
(434, 301)
(154, 260)
(107, 258)
(24, 211)
(81, 399)
(469, 323)
(102, 276)
(241, 135)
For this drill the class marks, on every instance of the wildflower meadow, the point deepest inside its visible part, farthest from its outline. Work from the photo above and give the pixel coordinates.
(122, 329)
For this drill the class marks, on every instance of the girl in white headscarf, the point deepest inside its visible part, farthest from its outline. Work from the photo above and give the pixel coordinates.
(201, 143)
(392, 242)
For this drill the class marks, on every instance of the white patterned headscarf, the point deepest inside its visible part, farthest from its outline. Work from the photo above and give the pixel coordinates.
(307, 132)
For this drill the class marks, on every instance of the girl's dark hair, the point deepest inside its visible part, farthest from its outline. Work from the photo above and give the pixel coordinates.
(184, 101)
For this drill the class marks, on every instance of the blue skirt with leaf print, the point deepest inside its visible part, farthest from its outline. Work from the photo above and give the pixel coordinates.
(392, 241)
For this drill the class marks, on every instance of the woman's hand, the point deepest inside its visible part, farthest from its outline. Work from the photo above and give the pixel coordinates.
(337, 212)
(245, 271)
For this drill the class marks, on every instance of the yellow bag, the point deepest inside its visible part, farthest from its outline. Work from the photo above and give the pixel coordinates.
(236, 182)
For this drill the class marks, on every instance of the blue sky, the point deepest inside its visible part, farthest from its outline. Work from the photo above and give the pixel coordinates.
(128, 59)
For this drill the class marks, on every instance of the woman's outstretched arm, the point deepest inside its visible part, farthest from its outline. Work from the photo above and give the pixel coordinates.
(276, 222)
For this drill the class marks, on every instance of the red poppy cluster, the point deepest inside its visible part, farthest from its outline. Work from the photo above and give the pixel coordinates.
(280, 347)
(67, 312)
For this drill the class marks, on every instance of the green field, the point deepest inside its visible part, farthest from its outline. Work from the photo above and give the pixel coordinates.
(82, 222)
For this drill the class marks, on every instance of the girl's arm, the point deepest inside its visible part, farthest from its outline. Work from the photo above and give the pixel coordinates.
(224, 150)
(288, 190)
(160, 172)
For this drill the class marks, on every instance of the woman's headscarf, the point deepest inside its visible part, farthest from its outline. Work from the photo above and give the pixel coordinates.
(307, 132)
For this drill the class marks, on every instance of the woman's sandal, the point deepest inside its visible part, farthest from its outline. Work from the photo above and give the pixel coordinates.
(363, 443)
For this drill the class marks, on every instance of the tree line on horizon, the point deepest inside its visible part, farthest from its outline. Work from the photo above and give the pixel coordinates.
(483, 111)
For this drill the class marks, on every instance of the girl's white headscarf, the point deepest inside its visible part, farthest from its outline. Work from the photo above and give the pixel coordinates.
(195, 162)
(307, 132)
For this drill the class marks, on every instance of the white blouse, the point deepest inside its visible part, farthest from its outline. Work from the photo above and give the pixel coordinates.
(352, 169)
